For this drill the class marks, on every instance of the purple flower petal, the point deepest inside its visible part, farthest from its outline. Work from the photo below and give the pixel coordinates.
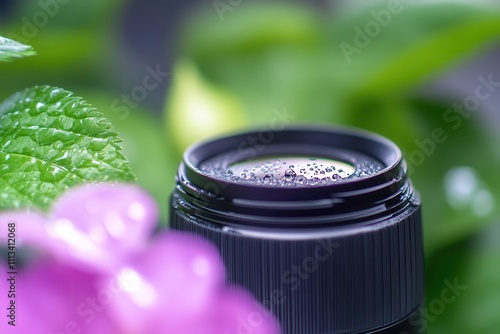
(100, 224)
(169, 284)
(52, 298)
(113, 280)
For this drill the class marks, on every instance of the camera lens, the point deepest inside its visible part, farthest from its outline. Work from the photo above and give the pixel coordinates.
(322, 225)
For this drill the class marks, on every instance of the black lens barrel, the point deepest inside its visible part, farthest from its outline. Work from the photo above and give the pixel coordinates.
(345, 257)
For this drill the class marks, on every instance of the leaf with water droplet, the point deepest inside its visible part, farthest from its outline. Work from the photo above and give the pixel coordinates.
(12, 49)
(51, 140)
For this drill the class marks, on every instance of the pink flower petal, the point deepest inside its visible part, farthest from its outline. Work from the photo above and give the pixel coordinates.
(100, 224)
(52, 298)
(170, 283)
(113, 280)
(232, 311)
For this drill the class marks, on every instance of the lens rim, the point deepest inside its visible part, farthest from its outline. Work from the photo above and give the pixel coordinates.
(305, 138)
(347, 202)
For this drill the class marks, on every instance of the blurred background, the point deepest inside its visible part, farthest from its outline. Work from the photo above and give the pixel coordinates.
(426, 74)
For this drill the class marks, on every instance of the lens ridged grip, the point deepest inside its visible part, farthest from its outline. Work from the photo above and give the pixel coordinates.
(344, 281)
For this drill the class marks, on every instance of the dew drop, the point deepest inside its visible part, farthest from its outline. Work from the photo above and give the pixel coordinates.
(314, 181)
(301, 179)
(58, 145)
(289, 175)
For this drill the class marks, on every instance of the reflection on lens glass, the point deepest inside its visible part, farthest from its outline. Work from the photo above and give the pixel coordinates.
(290, 171)
(298, 170)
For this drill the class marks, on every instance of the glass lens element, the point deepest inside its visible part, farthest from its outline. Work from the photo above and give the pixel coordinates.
(291, 168)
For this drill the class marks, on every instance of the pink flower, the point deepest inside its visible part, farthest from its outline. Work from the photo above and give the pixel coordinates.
(93, 268)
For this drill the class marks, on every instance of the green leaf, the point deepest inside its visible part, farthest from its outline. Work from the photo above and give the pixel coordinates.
(51, 140)
(11, 49)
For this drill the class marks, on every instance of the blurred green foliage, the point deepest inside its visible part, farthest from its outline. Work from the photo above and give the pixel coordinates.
(263, 56)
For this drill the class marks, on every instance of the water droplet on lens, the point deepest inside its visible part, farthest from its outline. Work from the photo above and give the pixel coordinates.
(314, 181)
(290, 175)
